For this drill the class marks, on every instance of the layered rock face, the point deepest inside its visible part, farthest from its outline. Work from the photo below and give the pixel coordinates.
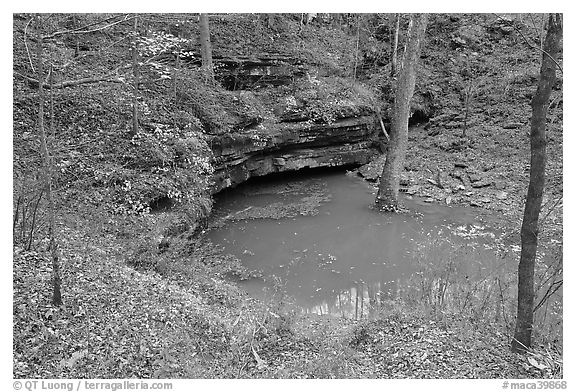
(249, 72)
(291, 146)
(288, 139)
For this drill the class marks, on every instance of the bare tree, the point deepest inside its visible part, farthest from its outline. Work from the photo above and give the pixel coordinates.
(529, 232)
(206, 46)
(387, 198)
(47, 167)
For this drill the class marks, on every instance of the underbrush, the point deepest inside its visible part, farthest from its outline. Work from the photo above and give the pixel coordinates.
(483, 298)
(481, 285)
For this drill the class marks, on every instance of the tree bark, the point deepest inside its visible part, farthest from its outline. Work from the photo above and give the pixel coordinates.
(206, 47)
(529, 231)
(56, 280)
(387, 198)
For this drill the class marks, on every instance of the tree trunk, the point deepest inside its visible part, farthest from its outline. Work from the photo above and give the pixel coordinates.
(206, 47)
(358, 19)
(387, 198)
(136, 74)
(529, 232)
(394, 45)
(52, 127)
(56, 281)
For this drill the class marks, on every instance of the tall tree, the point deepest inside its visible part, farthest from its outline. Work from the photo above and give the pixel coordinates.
(529, 231)
(47, 167)
(387, 198)
(206, 47)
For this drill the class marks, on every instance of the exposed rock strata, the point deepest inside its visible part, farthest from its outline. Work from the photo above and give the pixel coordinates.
(290, 147)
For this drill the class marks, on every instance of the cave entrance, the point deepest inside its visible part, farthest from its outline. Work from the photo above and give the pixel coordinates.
(418, 117)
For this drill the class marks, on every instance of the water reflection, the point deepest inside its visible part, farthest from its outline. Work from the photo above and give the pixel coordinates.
(358, 301)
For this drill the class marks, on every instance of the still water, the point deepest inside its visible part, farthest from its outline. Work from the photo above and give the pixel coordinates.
(317, 239)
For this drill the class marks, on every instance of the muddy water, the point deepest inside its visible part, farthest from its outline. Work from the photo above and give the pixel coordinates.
(318, 240)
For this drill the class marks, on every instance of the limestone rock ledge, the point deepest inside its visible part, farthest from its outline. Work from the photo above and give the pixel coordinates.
(291, 146)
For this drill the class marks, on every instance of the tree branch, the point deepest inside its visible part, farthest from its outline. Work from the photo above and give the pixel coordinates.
(26, 45)
(90, 24)
(71, 83)
(550, 211)
(55, 34)
(554, 287)
(382, 126)
(80, 31)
